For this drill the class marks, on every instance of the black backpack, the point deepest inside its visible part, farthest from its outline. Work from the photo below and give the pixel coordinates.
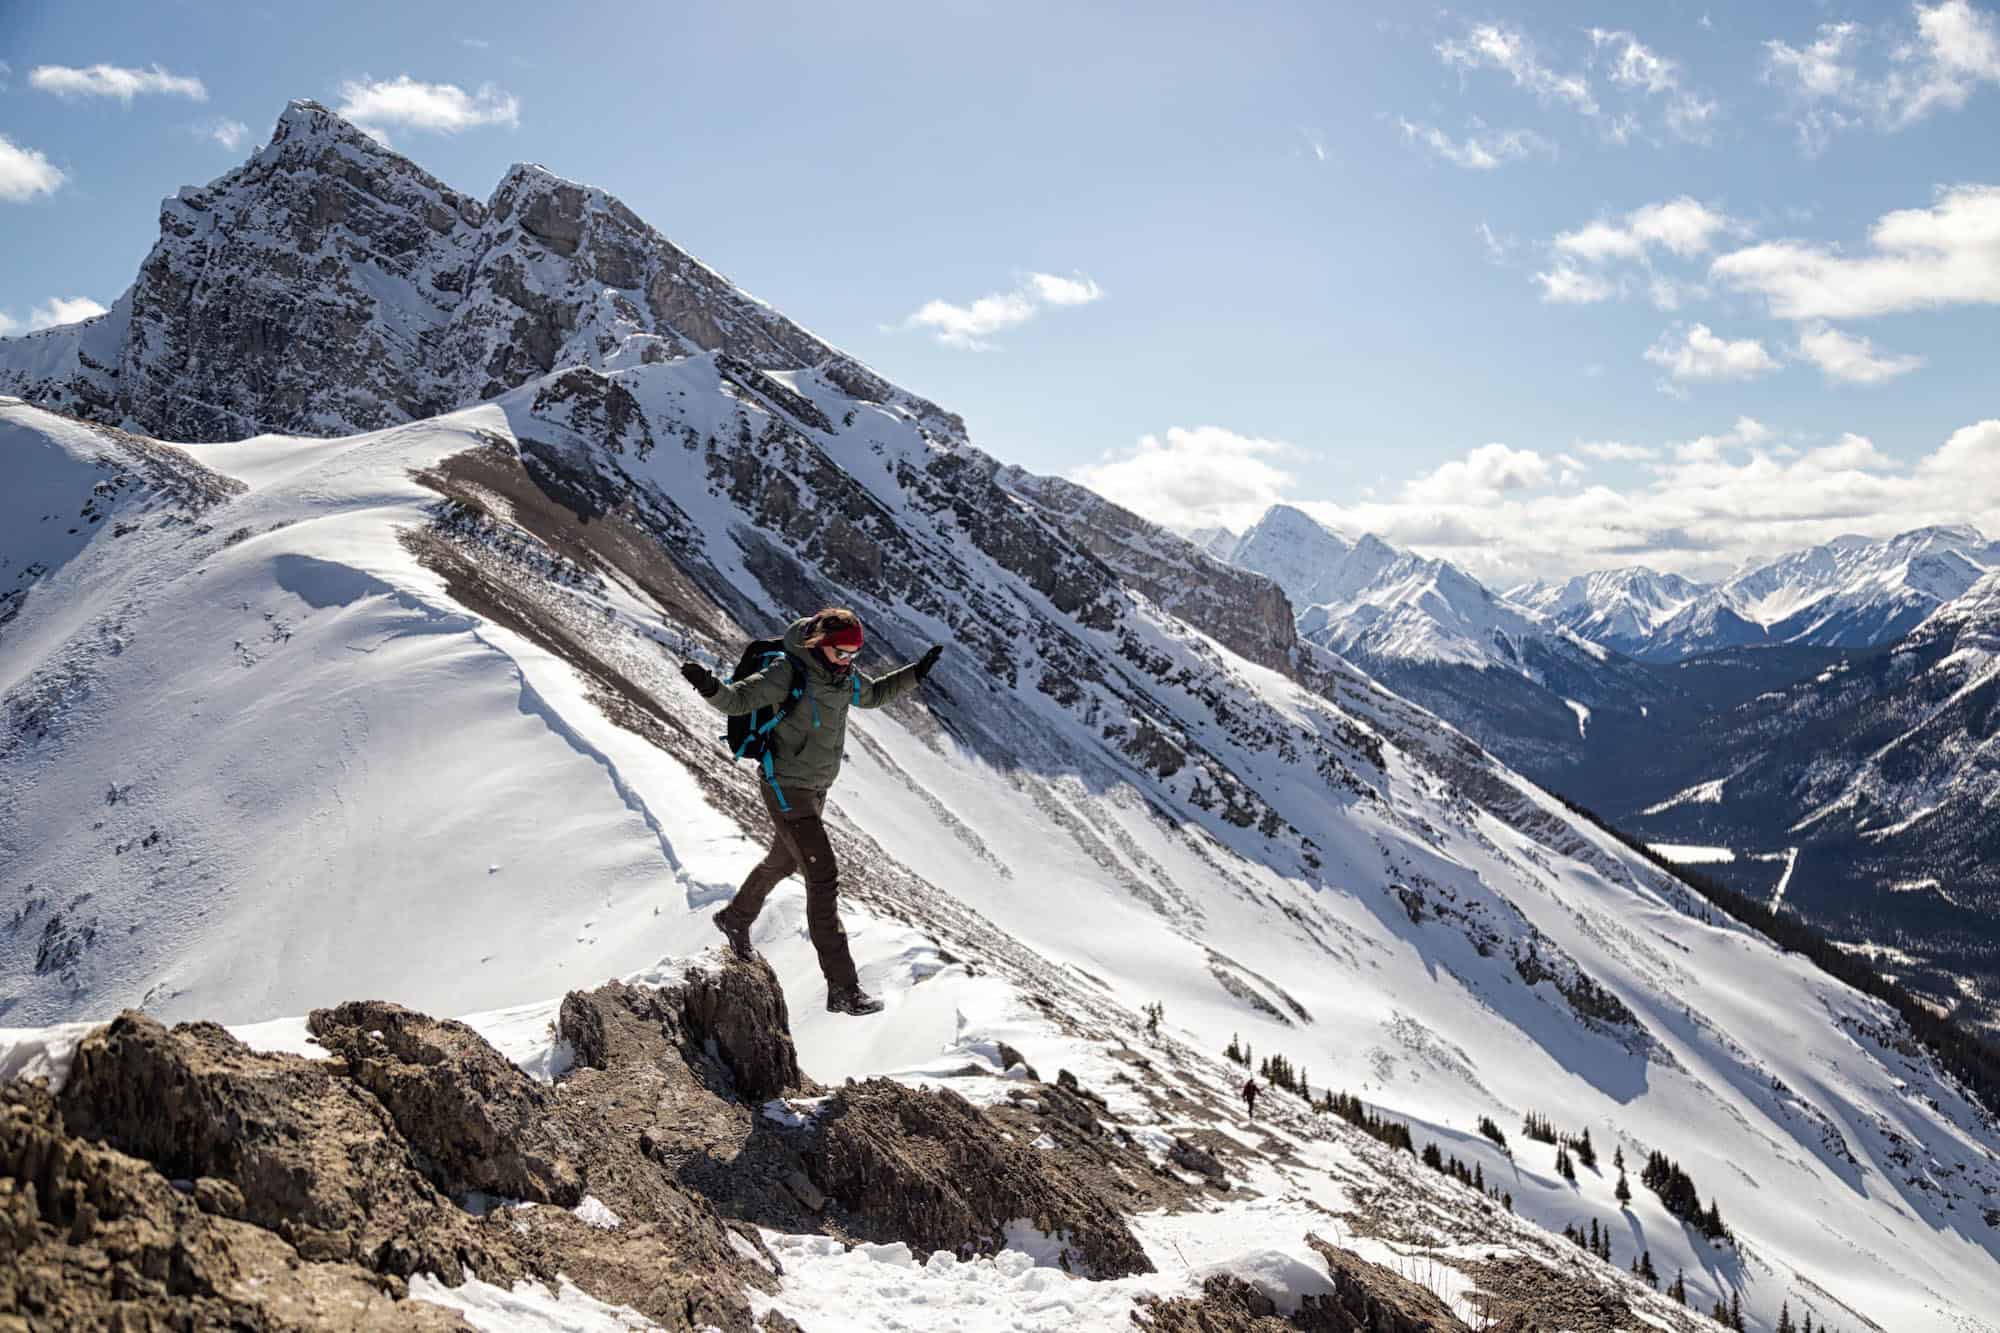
(749, 734)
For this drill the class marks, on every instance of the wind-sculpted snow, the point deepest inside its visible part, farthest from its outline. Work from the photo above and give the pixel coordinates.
(417, 735)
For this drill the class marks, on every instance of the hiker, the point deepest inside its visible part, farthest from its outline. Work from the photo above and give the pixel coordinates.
(801, 760)
(1250, 1096)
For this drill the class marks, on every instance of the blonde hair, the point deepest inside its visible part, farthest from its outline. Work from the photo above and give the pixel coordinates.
(826, 621)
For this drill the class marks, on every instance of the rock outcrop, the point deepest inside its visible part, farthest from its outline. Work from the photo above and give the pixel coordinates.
(478, 1121)
(1366, 1298)
(93, 1238)
(929, 1168)
(305, 1153)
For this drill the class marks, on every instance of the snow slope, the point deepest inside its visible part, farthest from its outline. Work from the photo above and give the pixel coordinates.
(1618, 608)
(396, 714)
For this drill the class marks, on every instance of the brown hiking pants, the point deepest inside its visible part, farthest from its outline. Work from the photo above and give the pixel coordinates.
(800, 844)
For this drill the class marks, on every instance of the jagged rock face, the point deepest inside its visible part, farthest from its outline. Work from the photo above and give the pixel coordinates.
(730, 1027)
(330, 286)
(92, 1238)
(1244, 611)
(1366, 1298)
(314, 1158)
(480, 1123)
(928, 1168)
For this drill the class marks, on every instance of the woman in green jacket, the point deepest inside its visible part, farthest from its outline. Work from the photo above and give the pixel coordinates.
(806, 749)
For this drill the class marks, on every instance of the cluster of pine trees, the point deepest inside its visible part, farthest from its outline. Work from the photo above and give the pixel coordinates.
(1539, 1127)
(1350, 1108)
(1475, 1176)
(1278, 1072)
(1492, 1131)
(1677, 1193)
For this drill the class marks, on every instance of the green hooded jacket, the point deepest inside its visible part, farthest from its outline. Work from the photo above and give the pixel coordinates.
(806, 747)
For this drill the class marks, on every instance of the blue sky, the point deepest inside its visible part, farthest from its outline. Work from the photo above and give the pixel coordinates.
(1531, 287)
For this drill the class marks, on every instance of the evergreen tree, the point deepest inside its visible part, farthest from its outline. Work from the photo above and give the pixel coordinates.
(1433, 1158)
(1618, 1158)
(1647, 1271)
(1564, 1168)
(1808, 1327)
(1785, 1324)
(1736, 1311)
(1479, 1177)
(1624, 1191)
(1679, 1291)
(1507, 1201)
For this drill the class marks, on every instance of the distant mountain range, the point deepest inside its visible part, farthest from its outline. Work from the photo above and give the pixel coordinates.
(1852, 592)
(1829, 717)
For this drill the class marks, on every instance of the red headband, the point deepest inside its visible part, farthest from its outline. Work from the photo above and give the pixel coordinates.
(844, 636)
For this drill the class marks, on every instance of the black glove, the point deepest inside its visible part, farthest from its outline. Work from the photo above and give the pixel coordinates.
(701, 678)
(929, 660)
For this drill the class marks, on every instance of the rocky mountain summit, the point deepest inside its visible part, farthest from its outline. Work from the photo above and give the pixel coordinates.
(330, 285)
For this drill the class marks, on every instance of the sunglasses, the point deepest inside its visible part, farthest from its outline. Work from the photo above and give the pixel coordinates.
(842, 654)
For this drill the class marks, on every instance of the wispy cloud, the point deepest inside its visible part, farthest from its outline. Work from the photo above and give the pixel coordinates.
(1638, 68)
(115, 81)
(1565, 284)
(231, 134)
(1851, 359)
(475, 43)
(969, 326)
(1477, 151)
(442, 108)
(26, 172)
(1499, 47)
(1950, 50)
(1586, 258)
(1697, 352)
(1612, 451)
(1923, 258)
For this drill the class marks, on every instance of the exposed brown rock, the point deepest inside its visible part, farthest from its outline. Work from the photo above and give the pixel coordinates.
(479, 1122)
(1368, 1298)
(1226, 1305)
(314, 1157)
(93, 1239)
(740, 1011)
(928, 1168)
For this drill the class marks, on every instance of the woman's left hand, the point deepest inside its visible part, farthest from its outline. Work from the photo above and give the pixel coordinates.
(929, 660)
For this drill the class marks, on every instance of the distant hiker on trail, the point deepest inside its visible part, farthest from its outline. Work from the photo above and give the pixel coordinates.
(795, 698)
(1250, 1096)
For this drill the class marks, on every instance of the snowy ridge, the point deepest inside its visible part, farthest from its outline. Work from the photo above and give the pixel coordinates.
(1618, 608)
(398, 715)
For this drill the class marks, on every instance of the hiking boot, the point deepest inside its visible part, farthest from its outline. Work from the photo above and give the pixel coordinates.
(737, 933)
(851, 1000)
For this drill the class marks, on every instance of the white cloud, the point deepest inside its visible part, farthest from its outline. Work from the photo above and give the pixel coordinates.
(1951, 49)
(1477, 152)
(1489, 470)
(229, 133)
(1195, 477)
(1634, 66)
(1497, 247)
(8, 324)
(1683, 227)
(1065, 291)
(1493, 46)
(1700, 507)
(475, 43)
(1612, 451)
(115, 81)
(969, 326)
(25, 173)
(1851, 359)
(1567, 285)
(444, 108)
(1696, 352)
(62, 310)
(1924, 258)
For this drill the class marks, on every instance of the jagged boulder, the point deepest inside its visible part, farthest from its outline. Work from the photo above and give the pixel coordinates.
(1226, 1305)
(92, 1238)
(730, 1027)
(930, 1169)
(1368, 1298)
(480, 1123)
(313, 1157)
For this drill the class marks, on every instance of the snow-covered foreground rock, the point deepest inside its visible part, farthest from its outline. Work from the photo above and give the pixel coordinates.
(394, 715)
